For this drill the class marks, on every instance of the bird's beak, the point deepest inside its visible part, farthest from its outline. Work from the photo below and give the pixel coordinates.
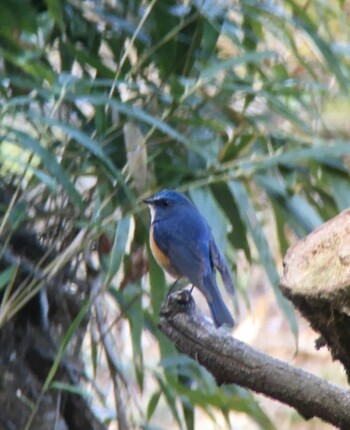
(148, 200)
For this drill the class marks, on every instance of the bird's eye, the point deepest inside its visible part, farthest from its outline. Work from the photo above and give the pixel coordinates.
(163, 202)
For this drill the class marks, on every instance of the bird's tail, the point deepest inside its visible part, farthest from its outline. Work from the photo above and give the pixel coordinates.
(219, 311)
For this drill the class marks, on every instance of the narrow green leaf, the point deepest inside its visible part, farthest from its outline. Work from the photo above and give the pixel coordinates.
(170, 396)
(255, 229)
(88, 143)
(136, 321)
(187, 407)
(249, 57)
(294, 204)
(152, 404)
(69, 335)
(225, 398)
(130, 303)
(46, 179)
(282, 109)
(85, 57)
(118, 249)
(56, 12)
(6, 276)
(302, 19)
(208, 207)
(136, 113)
(238, 236)
(94, 352)
(340, 186)
(48, 160)
(62, 386)
(80, 137)
(281, 221)
(321, 152)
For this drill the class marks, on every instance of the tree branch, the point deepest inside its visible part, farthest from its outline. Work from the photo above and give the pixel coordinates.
(232, 361)
(316, 280)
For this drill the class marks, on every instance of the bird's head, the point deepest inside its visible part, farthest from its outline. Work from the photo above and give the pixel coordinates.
(166, 202)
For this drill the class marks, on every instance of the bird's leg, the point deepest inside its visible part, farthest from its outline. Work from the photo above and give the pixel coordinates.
(171, 289)
(191, 289)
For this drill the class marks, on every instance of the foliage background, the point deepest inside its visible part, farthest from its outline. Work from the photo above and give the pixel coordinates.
(243, 105)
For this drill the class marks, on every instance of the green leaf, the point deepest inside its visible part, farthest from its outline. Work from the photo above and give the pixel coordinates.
(281, 108)
(170, 397)
(6, 276)
(67, 338)
(340, 186)
(81, 138)
(238, 236)
(118, 248)
(130, 303)
(208, 207)
(136, 321)
(226, 398)
(281, 221)
(25, 141)
(62, 386)
(248, 215)
(94, 353)
(85, 57)
(187, 407)
(56, 12)
(134, 112)
(303, 20)
(249, 57)
(91, 145)
(152, 404)
(293, 204)
(321, 152)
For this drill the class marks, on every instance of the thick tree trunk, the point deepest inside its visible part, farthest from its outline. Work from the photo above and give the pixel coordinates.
(317, 280)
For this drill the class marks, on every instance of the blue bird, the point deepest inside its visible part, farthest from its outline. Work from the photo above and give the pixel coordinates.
(183, 245)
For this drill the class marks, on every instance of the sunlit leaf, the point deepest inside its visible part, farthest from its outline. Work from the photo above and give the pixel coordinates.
(118, 248)
(208, 207)
(295, 205)
(255, 229)
(50, 162)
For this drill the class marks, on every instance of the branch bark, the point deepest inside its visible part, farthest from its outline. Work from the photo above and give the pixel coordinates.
(316, 279)
(232, 361)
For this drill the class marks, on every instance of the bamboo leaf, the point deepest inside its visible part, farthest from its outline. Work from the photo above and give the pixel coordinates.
(134, 112)
(49, 161)
(249, 57)
(255, 229)
(153, 403)
(6, 276)
(118, 248)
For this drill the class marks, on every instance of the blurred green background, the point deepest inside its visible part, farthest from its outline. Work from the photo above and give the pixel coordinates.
(243, 105)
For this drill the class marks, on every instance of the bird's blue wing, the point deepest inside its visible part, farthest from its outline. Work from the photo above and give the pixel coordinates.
(219, 262)
(188, 257)
(187, 247)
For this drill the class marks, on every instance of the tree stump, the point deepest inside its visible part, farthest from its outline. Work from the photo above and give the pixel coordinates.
(317, 280)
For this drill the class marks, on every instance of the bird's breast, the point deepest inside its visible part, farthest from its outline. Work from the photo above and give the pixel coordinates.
(161, 258)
